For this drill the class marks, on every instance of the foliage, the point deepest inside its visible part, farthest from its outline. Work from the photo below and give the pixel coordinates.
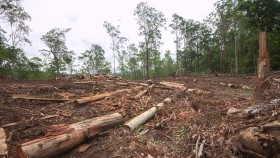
(94, 60)
(150, 22)
(55, 41)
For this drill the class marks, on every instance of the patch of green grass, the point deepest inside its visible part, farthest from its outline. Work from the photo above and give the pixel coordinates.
(142, 138)
(183, 132)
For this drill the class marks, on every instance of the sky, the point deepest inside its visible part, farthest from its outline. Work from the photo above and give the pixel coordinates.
(86, 18)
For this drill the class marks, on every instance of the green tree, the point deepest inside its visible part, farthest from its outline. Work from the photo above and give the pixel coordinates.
(114, 34)
(150, 22)
(168, 63)
(55, 41)
(176, 29)
(17, 18)
(94, 60)
(122, 54)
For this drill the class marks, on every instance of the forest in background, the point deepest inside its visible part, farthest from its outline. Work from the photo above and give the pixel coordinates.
(225, 42)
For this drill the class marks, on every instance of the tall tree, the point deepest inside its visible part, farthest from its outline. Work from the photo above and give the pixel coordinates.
(114, 34)
(175, 25)
(122, 54)
(55, 41)
(150, 22)
(19, 31)
(93, 59)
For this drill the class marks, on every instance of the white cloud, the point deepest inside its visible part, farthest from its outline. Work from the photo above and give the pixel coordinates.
(86, 19)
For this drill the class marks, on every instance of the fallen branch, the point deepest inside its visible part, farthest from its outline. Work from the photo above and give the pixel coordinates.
(67, 137)
(35, 98)
(139, 95)
(98, 97)
(3, 145)
(142, 118)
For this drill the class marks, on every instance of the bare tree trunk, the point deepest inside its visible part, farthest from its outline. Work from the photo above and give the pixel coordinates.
(263, 62)
(177, 60)
(147, 62)
(236, 57)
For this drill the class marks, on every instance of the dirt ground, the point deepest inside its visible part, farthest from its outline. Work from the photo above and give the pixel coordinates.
(175, 131)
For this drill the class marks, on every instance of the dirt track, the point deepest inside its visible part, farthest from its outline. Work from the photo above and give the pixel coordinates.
(173, 132)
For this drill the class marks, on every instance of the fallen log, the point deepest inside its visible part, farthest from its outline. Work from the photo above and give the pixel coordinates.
(36, 98)
(67, 137)
(197, 91)
(122, 83)
(261, 141)
(173, 85)
(99, 97)
(139, 95)
(142, 118)
(3, 145)
(182, 87)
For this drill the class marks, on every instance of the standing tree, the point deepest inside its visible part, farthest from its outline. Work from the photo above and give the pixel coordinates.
(175, 25)
(55, 41)
(114, 34)
(16, 18)
(93, 59)
(122, 54)
(150, 21)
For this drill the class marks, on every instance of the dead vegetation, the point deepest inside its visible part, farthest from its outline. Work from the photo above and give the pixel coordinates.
(187, 116)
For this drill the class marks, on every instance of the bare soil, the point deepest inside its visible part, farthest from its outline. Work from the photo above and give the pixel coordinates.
(172, 132)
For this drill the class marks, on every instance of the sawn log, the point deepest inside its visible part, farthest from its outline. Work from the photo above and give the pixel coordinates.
(99, 96)
(142, 118)
(62, 138)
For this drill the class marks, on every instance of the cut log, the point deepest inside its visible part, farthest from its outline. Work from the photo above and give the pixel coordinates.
(142, 118)
(36, 98)
(139, 95)
(137, 121)
(98, 97)
(67, 137)
(197, 91)
(223, 84)
(173, 85)
(122, 83)
(182, 87)
(3, 145)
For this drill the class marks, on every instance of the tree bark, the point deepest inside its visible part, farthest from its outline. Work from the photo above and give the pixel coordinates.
(3, 145)
(263, 62)
(62, 138)
(142, 118)
(236, 57)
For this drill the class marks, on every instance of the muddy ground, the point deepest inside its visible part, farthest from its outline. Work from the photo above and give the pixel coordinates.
(175, 131)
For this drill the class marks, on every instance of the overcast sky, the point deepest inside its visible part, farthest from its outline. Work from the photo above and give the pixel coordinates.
(86, 18)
